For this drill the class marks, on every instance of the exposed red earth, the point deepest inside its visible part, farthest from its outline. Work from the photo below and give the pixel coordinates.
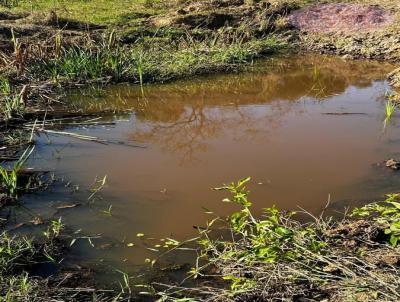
(341, 17)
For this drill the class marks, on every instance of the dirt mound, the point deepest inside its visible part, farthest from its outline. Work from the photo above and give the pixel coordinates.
(341, 17)
(394, 78)
(214, 14)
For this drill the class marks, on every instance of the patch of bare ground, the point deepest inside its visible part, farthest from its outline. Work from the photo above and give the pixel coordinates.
(352, 30)
(379, 45)
(40, 28)
(341, 17)
(257, 17)
(394, 78)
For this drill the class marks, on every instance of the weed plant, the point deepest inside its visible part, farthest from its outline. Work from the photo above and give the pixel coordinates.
(9, 177)
(277, 258)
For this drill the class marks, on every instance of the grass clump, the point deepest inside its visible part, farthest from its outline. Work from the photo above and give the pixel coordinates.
(11, 107)
(145, 62)
(9, 177)
(390, 108)
(11, 104)
(15, 253)
(277, 258)
(21, 257)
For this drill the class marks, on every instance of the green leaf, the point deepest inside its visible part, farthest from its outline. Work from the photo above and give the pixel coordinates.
(395, 204)
(282, 231)
(243, 181)
(394, 239)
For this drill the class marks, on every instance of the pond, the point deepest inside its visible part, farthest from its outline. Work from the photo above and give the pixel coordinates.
(307, 129)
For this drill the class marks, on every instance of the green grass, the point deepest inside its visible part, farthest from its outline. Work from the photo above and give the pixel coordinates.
(103, 12)
(15, 253)
(390, 108)
(9, 177)
(147, 63)
(20, 255)
(10, 104)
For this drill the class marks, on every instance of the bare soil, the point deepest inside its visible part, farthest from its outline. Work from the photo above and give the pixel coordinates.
(256, 18)
(40, 29)
(341, 17)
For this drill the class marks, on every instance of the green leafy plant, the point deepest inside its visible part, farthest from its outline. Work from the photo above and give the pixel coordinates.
(274, 257)
(270, 238)
(258, 248)
(386, 213)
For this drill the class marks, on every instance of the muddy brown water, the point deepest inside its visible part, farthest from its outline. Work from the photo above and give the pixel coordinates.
(305, 128)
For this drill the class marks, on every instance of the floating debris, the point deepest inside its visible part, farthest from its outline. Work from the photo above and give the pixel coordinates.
(68, 206)
(393, 164)
(344, 113)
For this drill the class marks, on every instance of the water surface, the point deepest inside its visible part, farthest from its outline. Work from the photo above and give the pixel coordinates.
(306, 129)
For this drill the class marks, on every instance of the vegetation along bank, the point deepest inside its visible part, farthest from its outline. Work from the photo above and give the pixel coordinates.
(49, 46)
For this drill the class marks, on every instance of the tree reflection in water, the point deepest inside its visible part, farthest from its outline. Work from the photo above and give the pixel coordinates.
(182, 117)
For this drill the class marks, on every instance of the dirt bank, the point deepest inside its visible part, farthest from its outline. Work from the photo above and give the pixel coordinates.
(365, 29)
(353, 31)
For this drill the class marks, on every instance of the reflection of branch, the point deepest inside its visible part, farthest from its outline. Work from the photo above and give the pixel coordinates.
(185, 136)
(198, 123)
(190, 119)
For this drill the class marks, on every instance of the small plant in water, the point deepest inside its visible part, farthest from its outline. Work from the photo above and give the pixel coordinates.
(125, 284)
(390, 108)
(107, 212)
(9, 178)
(54, 229)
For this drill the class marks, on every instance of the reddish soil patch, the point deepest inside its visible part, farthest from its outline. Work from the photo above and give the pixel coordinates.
(341, 17)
